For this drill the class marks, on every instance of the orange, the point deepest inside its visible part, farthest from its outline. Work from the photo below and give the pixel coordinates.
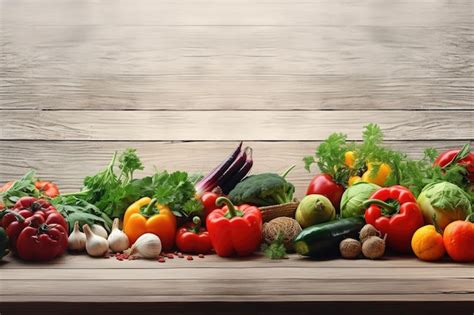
(427, 243)
(459, 240)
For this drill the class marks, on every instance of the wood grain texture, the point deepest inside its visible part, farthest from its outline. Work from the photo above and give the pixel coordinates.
(68, 162)
(181, 81)
(242, 289)
(186, 280)
(421, 13)
(322, 268)
(231, 125)
(236, 54)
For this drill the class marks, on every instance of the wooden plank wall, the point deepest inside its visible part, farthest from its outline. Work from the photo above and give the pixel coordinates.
(183, 81)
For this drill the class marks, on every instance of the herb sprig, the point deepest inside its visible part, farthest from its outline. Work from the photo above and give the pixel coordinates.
(276, 250)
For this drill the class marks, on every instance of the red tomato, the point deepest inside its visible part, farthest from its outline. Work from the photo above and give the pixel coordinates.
(209, 202)
(323, 184)
(447, 157)
(458, 240)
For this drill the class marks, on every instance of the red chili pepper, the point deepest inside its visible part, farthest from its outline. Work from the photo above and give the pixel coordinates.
(209, 202)
(48, 189)
(192, 238)
(26, 210)
(462, 157)
(41, 242)
(394, 211)
(234, 230)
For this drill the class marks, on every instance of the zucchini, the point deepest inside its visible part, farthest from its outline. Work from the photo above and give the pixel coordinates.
(323, 239)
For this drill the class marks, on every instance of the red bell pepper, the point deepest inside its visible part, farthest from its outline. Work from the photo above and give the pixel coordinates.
(192, 238)
(394, 212)
(208, 200)
(462, 157)
(25, 210)
(234, 230)
(41, 242)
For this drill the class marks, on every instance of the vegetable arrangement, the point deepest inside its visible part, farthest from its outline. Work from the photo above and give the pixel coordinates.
(366, 200)
(396, 195)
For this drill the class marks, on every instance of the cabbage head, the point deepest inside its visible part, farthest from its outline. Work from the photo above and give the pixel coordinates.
(444, 202)
(354, 196)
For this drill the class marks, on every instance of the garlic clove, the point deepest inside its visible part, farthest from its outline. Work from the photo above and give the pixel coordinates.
(77, 239)
(99, 230)
(147, 246)
(118, 240)
(96, 246)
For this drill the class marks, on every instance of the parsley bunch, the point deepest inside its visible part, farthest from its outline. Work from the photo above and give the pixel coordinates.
(176, 190)
(112, 192)
(330, 159)
(114, 189)
(275, 250)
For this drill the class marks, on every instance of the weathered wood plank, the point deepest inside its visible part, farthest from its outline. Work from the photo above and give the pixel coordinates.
(265, 67)
(423, 13)
(236, 54)
(213, 262)
(186, 289)
(282, 92)
(231, 125)
(67, 163)
(244, 273)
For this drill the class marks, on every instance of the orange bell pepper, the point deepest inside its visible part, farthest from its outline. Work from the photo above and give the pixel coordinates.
(146, 216)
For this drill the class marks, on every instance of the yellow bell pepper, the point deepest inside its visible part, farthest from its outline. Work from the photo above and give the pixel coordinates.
(146, 216)
(379, 178)
(349, 159)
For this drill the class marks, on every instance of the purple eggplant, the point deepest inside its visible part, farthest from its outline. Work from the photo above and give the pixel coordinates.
(240, 174)
(210, 181)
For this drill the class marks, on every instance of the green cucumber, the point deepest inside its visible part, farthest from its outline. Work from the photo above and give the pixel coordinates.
(323, 239)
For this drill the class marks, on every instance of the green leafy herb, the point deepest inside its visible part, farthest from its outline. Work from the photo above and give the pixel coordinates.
(24, 186)
(129, 163)
(75, 209)
(112, 192)
(330, 157)
(176, 190)
(276, 250)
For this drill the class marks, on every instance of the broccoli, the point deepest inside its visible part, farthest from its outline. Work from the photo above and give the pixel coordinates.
(263, 190)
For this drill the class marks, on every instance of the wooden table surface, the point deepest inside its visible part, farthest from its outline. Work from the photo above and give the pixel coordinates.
(79, 278)
(182, 81)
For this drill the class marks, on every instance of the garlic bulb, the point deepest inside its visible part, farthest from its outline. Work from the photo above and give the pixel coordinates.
(99, 230)
(147, 246)
(77, 239)
(118, 240)
(95, 245)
